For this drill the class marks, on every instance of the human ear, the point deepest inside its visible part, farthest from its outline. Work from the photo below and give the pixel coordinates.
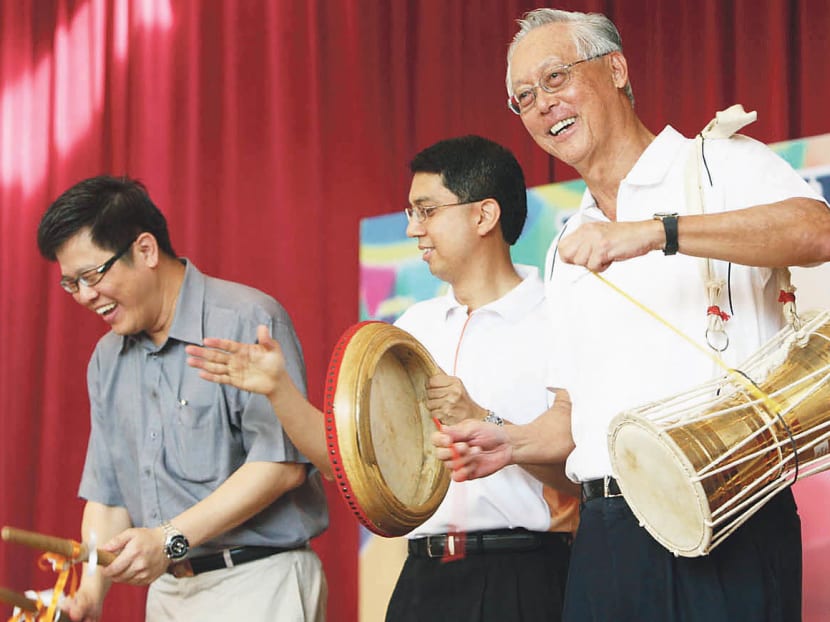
(148, 249)
(489, 214)
(619, 69)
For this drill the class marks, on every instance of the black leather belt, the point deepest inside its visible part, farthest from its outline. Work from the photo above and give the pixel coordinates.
(478, 542)
(228, 558)
(602, 487)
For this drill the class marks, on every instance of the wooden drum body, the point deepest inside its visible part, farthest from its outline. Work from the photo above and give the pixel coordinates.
(378, 428)
(694, 467)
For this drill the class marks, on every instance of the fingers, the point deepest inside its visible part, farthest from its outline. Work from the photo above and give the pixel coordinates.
(463, 432)
(208, 354)
(215, 343)
(439, 381)
(263, 337)
(140, 558)
(446, 398)
(455, 454)
(208, 366)
(212, 363)
(210, 371)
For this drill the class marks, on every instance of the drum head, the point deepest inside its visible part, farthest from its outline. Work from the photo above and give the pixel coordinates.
(658, 482)
(378, 428)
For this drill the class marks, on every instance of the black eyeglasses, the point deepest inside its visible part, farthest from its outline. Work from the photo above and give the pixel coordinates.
(93, 276)
(553, 79)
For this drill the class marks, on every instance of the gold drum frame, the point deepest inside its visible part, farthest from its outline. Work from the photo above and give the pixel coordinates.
(378, 428)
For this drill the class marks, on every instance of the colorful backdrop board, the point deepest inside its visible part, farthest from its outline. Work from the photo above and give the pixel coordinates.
(393, 276)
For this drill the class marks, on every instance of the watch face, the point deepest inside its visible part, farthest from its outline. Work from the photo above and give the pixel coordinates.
(177, 547)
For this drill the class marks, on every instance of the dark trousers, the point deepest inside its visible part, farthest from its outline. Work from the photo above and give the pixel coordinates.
(619, 573)
(489, 587)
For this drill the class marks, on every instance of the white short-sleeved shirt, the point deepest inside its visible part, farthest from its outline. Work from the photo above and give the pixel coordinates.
(610, 354)
(499, 351)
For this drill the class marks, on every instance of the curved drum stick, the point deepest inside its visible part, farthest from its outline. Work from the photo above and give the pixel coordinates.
(51, 544)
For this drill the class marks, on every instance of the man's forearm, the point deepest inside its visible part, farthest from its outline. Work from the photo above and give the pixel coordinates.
(105, 522)
(547, 439)
(249, 490)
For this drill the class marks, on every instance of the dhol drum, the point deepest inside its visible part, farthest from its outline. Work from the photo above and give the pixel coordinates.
(696, 466)
(378, 428)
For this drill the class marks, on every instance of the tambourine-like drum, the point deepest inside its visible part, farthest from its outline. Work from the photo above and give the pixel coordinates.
(696, 466)
(378, 428)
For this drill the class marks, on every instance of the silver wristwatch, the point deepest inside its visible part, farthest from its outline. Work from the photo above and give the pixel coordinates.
(176, 545)
(493, 418)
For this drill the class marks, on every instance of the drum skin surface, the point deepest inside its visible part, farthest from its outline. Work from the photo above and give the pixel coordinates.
(378, 428)
(672, 506)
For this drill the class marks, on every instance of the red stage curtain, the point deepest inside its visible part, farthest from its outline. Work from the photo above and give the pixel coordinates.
(266, 130)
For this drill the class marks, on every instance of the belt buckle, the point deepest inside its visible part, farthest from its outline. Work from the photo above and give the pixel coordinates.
(437, 539)
(606, 488)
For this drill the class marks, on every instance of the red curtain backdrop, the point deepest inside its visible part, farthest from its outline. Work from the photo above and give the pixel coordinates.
(265, 130)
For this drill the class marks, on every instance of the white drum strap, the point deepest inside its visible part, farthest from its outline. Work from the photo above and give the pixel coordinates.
(724, 125)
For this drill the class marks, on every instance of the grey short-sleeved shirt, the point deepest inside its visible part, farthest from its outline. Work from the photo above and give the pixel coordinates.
(162, 438)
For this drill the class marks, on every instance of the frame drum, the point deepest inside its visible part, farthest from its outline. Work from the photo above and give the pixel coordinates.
(378, 428)
(696, 466)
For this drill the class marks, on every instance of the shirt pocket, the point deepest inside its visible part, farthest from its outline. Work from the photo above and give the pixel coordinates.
(195, 451)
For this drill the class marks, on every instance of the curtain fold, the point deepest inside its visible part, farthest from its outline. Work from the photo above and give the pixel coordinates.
(265, 130)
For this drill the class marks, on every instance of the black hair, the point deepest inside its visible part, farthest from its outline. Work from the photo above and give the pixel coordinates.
(114, 209)
(475, 168)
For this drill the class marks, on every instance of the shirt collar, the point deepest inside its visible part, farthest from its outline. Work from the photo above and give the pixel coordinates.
(514, 304)
(650, 168)
(656, 161)
(187, 323)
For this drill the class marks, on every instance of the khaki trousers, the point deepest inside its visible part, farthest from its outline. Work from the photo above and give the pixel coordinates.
(287, 587)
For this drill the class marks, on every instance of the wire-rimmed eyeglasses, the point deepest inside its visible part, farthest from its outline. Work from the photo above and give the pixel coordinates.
(93, 276)
(420, 213)
(553, 79)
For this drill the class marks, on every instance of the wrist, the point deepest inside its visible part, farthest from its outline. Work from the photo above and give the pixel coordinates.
(492, 417)
(94, 586)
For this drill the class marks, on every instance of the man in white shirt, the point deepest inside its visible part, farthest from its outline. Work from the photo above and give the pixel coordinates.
(568, 81)
(491, 335)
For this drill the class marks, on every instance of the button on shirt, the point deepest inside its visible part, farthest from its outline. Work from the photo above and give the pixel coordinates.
(499, 351)
(610, 354)
(163, 438)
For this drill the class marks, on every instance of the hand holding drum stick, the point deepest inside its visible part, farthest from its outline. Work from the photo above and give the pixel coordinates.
(77, 551)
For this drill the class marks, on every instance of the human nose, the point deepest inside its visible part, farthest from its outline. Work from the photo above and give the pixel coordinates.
(414, 228)
(85, 293)
(543, 100)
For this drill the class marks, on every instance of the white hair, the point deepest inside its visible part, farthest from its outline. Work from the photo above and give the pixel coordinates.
(593, 35)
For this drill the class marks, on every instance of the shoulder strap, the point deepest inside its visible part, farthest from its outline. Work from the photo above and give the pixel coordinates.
(725, 124)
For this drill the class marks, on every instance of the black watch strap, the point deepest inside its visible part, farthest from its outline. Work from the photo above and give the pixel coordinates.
(670, 227)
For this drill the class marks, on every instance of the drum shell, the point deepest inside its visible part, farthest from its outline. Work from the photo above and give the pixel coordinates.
(693, 469)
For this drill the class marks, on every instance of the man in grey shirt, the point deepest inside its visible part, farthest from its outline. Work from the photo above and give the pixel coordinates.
(194, 485)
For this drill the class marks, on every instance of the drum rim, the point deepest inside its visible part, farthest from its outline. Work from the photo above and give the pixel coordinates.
(388, 516)
(660, 437)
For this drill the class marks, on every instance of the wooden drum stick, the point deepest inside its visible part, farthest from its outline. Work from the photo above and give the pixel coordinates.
(18, 600)
(51, 544)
